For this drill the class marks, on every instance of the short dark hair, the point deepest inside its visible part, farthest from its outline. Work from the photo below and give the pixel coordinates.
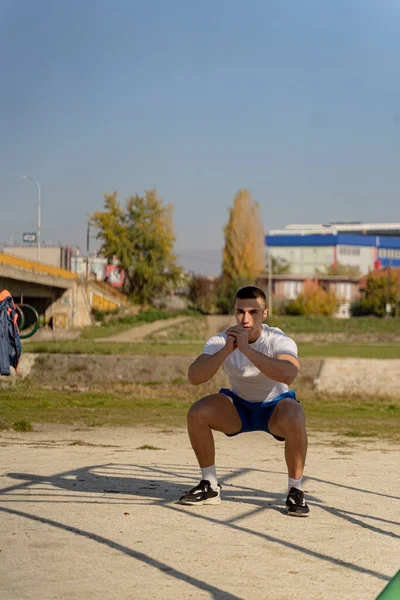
(250, 291)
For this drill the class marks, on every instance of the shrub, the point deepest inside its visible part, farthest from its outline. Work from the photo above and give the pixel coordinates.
(23, 425)
(203, 294)
(313, 302)
(373, 302)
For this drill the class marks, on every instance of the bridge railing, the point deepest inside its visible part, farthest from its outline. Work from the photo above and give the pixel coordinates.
(31, 265)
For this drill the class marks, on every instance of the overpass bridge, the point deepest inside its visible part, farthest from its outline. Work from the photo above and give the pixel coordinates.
(60, 296)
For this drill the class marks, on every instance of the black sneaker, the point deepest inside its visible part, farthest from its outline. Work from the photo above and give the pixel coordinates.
(202, 494)
(295, 503)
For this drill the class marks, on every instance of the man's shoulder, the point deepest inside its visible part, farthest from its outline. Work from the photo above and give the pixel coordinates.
(271, 334)
(216, 340)
(219, 337)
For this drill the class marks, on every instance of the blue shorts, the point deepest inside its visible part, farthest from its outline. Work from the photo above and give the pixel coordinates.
(256, 415)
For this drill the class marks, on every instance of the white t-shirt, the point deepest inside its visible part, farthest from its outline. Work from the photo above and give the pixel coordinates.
(246, 380)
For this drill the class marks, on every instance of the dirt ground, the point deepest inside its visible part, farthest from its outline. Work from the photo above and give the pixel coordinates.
(89, 514)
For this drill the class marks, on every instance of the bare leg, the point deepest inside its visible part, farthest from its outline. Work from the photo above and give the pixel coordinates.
(211, 412)
(288, 421)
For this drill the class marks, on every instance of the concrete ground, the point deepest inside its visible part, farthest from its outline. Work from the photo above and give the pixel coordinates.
(92, 514)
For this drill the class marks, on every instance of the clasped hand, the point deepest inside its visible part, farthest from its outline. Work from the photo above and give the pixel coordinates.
(237, 337)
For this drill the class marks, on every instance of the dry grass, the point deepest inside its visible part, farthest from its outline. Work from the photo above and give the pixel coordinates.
(165, 406)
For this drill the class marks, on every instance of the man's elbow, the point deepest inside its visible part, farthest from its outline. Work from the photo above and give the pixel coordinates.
(192, 378)
(291, 376)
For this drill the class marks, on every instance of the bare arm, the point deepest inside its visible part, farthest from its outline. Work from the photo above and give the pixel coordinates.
(284, 368)
(206, 365)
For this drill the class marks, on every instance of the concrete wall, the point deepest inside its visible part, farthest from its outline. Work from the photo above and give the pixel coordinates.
(72, 309)
(49, 255)
(336, 376)
(369, 376)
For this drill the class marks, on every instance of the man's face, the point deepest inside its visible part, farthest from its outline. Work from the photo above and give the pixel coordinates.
(250, 313)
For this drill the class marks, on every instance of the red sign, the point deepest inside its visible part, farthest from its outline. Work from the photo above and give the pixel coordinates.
(114, 275)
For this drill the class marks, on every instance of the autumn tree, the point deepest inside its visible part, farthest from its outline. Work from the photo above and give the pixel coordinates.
(243, 257)
(141, 237)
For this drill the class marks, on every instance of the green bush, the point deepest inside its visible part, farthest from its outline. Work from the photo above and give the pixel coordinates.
(375, 297)
(100, 315)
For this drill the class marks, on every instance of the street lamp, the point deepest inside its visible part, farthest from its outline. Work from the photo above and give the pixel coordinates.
(38, 214)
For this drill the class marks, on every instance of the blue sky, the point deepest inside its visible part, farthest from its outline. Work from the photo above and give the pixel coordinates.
(297, 101)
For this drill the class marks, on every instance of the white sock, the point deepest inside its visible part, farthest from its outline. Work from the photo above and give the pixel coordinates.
(210, 474)
(296, 483)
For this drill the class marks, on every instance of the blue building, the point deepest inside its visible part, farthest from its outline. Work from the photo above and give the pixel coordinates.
(308, 248)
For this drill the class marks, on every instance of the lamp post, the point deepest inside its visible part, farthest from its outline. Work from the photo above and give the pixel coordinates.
(38, 218)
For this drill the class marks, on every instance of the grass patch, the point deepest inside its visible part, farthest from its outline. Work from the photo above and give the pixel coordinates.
(343, 350)
(195, 328)
(93, 347)
(349, 350)
(356, 434)
(192, 329)
(165, 406)
(307, 324)
(22, 425)
(179, 381)
(148, 447)
(122, 323)
(351, 416)
(141, 406)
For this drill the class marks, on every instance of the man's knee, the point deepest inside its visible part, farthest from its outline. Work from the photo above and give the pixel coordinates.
(200, 410)
(289, 414)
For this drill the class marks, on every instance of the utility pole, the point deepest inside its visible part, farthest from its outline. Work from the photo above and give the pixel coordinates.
(38, 213)
(269, 283)
(87, 250)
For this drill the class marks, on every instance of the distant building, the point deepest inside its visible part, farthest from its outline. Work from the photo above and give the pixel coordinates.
(285, 288)
(99, 268)
(92, 266)
(309, 247)
(55, 256)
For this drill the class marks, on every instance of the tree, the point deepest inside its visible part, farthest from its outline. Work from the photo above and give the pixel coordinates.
(141, 237)
(243, 255)
(375, 297)
(353, 272)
